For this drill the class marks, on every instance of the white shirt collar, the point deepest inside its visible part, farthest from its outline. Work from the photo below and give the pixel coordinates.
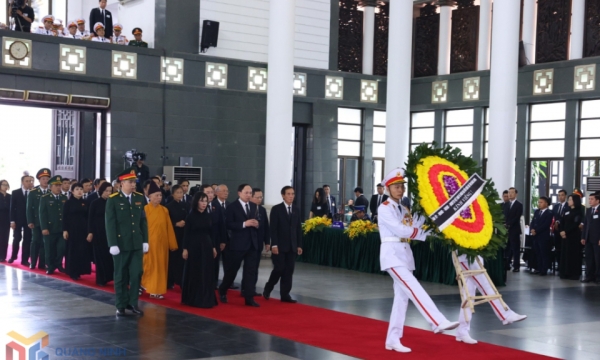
(243, 204)
(286, 204)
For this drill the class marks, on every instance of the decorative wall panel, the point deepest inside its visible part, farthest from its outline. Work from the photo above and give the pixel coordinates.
(591, 45)
(427, 36)
(464, 39)
(380, 54)
(350, 37)
(553, 30)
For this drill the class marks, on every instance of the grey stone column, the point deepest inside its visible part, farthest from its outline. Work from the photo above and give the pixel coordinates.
(366, 180)
(438, 130)
(522, 151)
(478, 134)
(177, 26)
(571, 145)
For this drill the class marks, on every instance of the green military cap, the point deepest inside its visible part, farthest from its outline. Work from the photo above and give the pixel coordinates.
(137, 31)
(127, 174)
(56, 180)
(43, 172)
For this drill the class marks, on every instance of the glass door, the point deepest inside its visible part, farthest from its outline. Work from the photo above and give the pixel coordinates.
(348, 176)
(587, 167)
(546, 179)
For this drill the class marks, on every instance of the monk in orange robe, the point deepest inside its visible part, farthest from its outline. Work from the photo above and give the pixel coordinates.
(161, 239)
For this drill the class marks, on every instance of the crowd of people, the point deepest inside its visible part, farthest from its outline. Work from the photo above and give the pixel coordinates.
(101, 27)
(151, 241)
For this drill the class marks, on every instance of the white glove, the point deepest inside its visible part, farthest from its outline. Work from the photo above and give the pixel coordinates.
(418, 221)
(422, 234)
(114, 250)
(145, 247)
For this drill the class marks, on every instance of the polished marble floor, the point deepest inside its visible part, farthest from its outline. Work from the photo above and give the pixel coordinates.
(564, 317)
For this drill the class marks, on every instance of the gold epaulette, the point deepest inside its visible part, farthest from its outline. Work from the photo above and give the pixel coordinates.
(113, 195)
(135, 192)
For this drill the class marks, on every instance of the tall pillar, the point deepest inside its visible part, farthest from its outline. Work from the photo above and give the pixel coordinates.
(485, 31)
(280, 100)
(398, 84)
(445, 36)
(368, 36)
(577, 29)
(503, 93)
(529, 26)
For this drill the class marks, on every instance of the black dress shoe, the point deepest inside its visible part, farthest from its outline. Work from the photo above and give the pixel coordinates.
(32, 267)
(61, 269)
(42, 267)
(289, 300)
(3, 260)
(234, 287)
(516, 270)
(586, 280)
(134, 309)
(121, 312)
(251, 302)
(543, 274)
(10, 261)
(48, 272)
(223, 298)
(25, 263)
(536, 273)
(267, 293)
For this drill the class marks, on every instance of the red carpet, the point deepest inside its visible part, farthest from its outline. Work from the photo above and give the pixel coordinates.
(335, 331)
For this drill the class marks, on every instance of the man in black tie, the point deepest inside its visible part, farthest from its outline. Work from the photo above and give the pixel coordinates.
(591, 239)
(331, 203)
(505, 203)
(243, 244)
(376, 200)
(101, 15)
(558, 210)
(264, 236)
(361, 200)
(540, 230)
(18, 221)
(220, 201)
(94, 195)
(87, 188)
(513, 224)
(286, 244)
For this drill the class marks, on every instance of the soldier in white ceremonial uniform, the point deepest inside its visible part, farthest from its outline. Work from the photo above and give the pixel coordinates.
(82, 32)
(48, 22)
(480, 282)
(397, 228)
(99, 29)
(117, 38)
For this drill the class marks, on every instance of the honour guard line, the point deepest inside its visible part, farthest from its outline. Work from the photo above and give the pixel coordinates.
(127, 235)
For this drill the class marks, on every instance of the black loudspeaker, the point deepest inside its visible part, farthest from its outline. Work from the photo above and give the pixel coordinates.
(210, 34)
(522, 56)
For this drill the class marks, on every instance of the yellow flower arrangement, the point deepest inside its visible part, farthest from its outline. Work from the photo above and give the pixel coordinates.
(360, 228)
(316, 224)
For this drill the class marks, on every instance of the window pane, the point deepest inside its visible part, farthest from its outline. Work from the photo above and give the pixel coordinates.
(485, 151)
(378, 150)
(349, 116)
(459, 133)
(466, 149)
(59, 10)
(589, 148)
(379, 134)
(421, 136)
(349, 132)
(377, 174)
(40, 9)
(548, 130)
(590, 109)
(546, 149)
(590, 128)
(423, 119)
(348, 148)
(379, 118)
(554, 111)
(459, 117)
(487, 115)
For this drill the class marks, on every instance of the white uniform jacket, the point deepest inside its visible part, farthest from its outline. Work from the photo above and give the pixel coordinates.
(395, 221)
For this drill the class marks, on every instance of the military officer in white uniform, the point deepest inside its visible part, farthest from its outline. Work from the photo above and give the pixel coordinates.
(99, 29)
(117, 38)
(82, 33)
(47, 29)
(397, 228)
(481, 283)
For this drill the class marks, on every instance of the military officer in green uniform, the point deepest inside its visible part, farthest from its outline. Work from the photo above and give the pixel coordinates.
(51, 223)
(137, 34)
(33, 219)
(127, 235)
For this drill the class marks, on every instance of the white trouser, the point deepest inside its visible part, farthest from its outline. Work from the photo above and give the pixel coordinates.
(406, 287)
(481, 283)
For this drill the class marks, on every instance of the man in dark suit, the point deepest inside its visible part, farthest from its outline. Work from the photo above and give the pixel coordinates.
(376, 200)
(591, 239)
(218, 220)
(513, 224)
(505, 203)
(286, 244)
(94, 195)
(243, 244)
(558, 210)
(101, 15)
(18, 221)
(331, 203)
(540, 230)
(361, 200)
(221, 192)
(264, 236)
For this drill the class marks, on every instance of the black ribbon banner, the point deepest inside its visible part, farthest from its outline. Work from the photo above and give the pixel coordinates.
(464, 197)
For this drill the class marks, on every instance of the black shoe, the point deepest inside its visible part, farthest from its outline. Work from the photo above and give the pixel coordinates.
(234, 287)
(289, 300)
(32, 267)
(543, 274)
(586, 280)
(223, 298)
(134, 309)
(536, 272)
(10, 261)
(267, 293)
(251, 302)
(121, 312)
(48, 272)
(3, 260)
(42, 267)
(61, 269)
(516, 270)
(25, 263)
